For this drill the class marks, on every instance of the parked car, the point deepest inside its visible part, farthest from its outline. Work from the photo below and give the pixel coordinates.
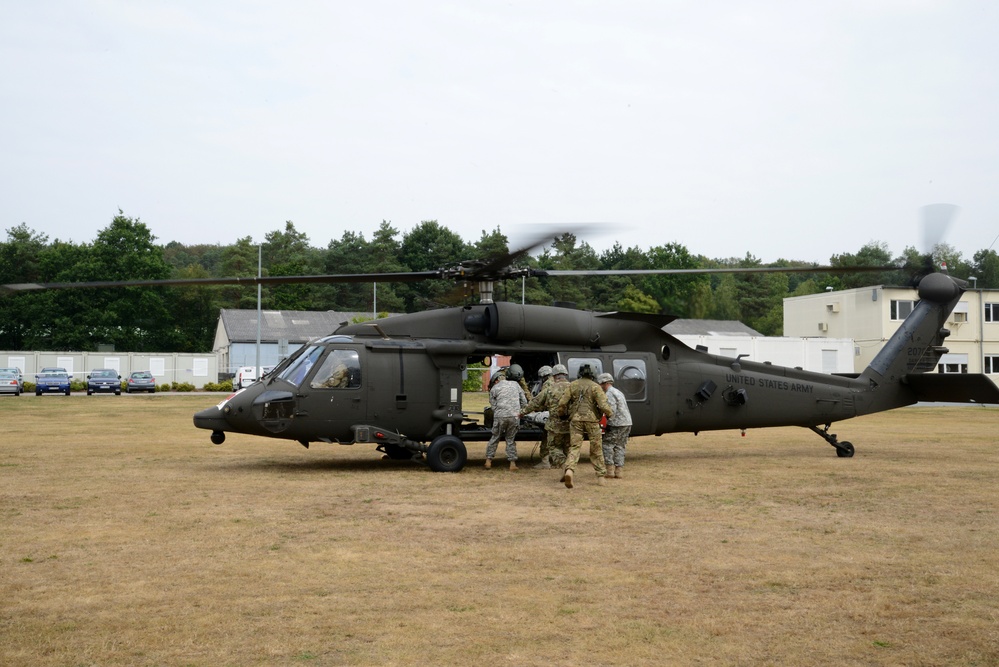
(9, 384)
(103, 380)
(52, 381)
(20, 376)
(247, 375)
(141, 381)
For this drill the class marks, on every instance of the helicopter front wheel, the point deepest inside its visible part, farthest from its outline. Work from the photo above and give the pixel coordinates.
(218, 437)
(446, 453)
(844, 450)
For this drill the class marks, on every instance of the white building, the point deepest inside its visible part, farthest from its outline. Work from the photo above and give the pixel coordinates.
(870, 315)
(734, 339)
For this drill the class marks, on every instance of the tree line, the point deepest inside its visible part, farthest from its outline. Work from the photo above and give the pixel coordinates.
(183, 319)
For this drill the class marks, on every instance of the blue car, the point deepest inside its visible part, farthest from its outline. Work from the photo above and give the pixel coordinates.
(52, 382)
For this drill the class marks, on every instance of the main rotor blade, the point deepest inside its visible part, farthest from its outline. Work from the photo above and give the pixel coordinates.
(493, 269)
(410, 277)
(417, 276)
(936, 220)
(710, 271)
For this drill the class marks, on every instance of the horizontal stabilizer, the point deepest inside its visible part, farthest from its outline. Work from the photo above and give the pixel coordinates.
(953, 387)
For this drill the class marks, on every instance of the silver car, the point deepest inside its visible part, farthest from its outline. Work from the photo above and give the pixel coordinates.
(140, 381)
(9, 383)
(20, 377)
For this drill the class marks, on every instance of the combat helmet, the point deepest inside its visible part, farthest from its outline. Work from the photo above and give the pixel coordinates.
(544, 371)
(515, 373)
(559, 369)
(586, 371)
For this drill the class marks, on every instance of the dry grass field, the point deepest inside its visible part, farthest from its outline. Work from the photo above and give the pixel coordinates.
(128, 539)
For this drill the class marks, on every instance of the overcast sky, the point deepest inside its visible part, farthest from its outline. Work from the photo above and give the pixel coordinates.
(783, 129)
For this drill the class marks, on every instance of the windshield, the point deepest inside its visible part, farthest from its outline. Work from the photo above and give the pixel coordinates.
(103, 374)
(54, 376)
(142, 376)
(296, 371)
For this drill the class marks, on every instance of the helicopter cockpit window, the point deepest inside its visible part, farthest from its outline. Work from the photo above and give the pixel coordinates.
(300, 367)
(630, 378)
(573, 364)
(340, 370)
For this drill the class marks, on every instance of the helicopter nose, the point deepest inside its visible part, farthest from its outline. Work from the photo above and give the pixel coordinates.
(211, 419)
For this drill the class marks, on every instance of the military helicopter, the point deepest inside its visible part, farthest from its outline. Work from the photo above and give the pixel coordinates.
(396, 383)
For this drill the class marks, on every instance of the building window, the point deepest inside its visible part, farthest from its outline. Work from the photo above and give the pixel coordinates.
(900, 308)
(952, 368)
(992, 312)
(960, 313)
(991, 364)
(953, 363)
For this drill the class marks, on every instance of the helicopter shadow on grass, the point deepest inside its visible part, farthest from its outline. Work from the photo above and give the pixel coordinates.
(322, 465)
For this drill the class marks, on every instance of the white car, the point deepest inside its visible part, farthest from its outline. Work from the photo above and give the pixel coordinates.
(247, 375)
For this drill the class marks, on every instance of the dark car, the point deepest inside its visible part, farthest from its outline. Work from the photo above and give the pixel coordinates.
(104, 380)
(56, 381)
(140, 381)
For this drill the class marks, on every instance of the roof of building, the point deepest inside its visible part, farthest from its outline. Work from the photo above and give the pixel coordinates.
(709, 328)
(295, 326)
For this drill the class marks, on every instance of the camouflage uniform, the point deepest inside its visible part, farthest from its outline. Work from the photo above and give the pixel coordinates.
(555, 446)
(584, 402)
(618, 429)
(506, 399)
(501, 375)
(338, 379)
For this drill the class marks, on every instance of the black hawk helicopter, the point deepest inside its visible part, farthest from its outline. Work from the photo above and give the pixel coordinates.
(397, 382)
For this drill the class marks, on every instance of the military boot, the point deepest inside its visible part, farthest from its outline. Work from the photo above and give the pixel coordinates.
(489, 463)
(544, 465)
(600, 480)
(567, 478)
(619, 472)
(513, 466)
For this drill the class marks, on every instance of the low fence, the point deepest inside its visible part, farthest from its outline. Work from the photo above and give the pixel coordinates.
(168, 367)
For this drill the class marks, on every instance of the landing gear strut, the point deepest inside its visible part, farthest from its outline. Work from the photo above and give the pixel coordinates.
(844, 449)
(446, 453)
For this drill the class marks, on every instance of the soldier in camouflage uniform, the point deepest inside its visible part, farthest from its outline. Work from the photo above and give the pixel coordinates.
(618, 427)
(506, 399)
(555, 443)
(513, 372)
(544, 377)
(584, 402)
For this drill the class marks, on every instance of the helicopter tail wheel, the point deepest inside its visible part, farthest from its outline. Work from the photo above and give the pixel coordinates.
(218, 437)
(844, 449)
(446, 453)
